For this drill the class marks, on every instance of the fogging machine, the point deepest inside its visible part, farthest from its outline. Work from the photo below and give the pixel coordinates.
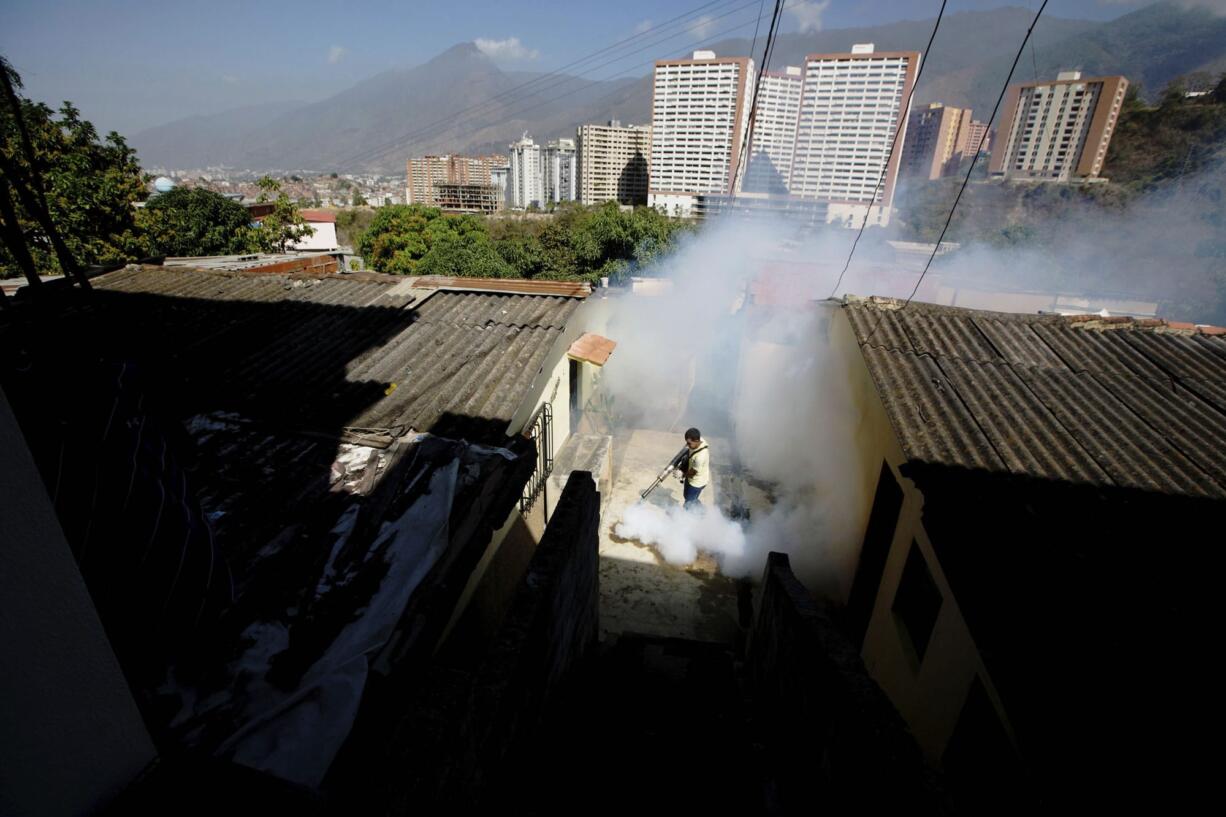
(676, 463)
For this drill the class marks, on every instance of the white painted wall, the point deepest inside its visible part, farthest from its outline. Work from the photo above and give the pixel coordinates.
(71, 737)
(672, 204)
(323, 238)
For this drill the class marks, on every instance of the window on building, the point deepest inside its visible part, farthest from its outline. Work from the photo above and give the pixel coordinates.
(916, 604)
(882, 520)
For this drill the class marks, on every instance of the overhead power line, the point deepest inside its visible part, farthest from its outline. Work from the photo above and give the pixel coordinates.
(555, 79)
(492, 103)
(949, 219)
(1003, 89)
(903, 113)
(746, 151)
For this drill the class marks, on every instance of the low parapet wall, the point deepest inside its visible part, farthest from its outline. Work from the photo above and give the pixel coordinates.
(467, 722)
(838, 743)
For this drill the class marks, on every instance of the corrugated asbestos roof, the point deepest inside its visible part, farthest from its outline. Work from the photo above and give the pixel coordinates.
(366, 351)
(236, 437)
(1120, 402)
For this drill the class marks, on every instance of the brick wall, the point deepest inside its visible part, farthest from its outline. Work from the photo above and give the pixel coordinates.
(836, 740)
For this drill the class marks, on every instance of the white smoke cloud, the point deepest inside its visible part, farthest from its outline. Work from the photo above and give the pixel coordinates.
(764, 387)
(336, 53)
(767, 389)
(1159, 254)
(678, 534)
(508, 50)
(808, 14)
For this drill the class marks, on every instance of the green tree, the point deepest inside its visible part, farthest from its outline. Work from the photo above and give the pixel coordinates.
(395, 241)
(473, 255)
(284, 225)
(522, 251)
(577, 244)
(358, 199)
(90, 185)
(195, 222)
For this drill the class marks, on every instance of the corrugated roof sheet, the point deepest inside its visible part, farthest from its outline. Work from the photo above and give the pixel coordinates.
(361, 350)
(1137, 404)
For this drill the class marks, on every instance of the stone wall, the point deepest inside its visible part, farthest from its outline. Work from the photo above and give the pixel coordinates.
(835, 739)
(468, 721)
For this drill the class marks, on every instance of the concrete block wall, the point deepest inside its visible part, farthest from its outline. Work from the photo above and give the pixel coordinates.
(838, 742)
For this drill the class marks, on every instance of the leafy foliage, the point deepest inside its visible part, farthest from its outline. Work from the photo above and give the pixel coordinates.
(578, 243)
(351, 223)
(397, 238)
(284, 225)
(195, 222)
(90, 185)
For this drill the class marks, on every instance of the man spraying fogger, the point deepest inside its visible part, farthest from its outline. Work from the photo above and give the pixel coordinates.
(693, 462)
(695, 467)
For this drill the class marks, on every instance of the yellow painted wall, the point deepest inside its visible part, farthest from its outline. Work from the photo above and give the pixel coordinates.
(930, 696)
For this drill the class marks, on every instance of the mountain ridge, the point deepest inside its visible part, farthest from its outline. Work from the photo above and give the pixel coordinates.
(460, 101)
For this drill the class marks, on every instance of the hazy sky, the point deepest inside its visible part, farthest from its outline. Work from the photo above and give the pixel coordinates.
(131, 64)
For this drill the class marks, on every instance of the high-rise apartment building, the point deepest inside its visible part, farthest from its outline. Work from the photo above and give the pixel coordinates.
(500, 177)
(525, 182)
(425, 174)
(699, 114)
(613, 163)
(422, 174)
(1057, 131)
(773, 140)
(978, 139)
(560, 168)
(850, 109)
(936, 141)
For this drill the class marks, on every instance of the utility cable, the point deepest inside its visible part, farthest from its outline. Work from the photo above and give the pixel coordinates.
(1004, 88)
(713, 38)
(543, 84)
(746, 151)
(903, 113)
(440, 125)
(949, 219)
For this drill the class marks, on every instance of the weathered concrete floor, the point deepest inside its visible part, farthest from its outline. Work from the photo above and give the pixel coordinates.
(639, 591)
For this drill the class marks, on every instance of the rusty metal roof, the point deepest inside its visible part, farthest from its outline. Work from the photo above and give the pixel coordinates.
(1114, 402)
(356, 350)
(568, 289)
